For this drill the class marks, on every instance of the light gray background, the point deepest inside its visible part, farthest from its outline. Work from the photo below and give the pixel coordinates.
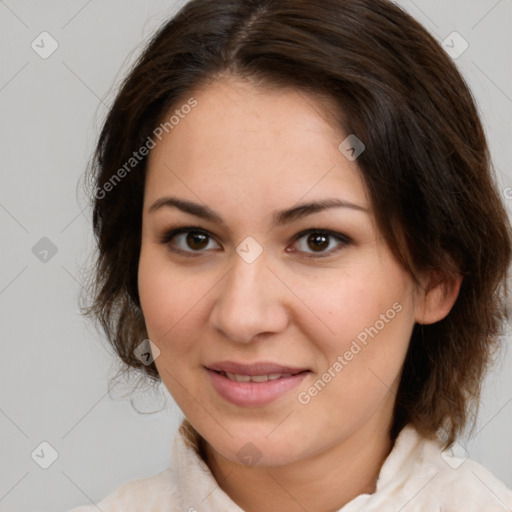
(54, 367)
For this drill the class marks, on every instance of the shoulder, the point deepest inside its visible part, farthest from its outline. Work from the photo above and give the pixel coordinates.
(459, 483)
(165, 491)
(186, 480)
(152, 494)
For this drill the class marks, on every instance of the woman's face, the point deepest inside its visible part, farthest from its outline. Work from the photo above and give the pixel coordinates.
(254, 294)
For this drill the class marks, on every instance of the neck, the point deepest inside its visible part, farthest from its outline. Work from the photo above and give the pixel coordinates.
(324, 483)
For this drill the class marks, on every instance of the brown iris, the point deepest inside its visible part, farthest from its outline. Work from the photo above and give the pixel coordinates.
(320, 241)
(196, 240)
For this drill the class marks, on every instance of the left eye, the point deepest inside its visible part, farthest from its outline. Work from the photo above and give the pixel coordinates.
(198, 240)
(319, 242)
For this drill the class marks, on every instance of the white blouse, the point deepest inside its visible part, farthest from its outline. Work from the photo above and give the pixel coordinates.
(415, 477)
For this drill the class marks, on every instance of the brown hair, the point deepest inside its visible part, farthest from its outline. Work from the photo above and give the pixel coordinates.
(426, 165)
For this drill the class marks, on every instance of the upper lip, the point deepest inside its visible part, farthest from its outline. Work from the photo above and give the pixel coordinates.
(258, 368)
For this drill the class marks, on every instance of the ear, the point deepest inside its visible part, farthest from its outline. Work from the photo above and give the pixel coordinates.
(436, 297)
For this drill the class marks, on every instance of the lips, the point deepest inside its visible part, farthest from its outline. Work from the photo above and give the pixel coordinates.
(254, 384)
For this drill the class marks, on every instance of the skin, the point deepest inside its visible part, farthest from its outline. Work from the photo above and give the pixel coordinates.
(245, 152)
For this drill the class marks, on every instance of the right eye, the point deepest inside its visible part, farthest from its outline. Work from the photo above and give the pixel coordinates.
(186, 238)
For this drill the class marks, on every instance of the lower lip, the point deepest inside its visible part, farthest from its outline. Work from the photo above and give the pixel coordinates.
(253, 393)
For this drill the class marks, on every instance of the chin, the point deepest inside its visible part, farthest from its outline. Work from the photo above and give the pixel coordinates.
(257, 449)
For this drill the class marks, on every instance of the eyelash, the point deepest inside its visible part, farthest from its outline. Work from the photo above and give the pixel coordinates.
(170, 234)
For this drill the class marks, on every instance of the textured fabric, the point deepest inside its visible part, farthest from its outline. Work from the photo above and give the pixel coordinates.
(416, 476)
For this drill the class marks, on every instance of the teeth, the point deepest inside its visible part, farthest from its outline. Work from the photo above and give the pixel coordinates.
(238, 378)
(259, 378)
(255, 378)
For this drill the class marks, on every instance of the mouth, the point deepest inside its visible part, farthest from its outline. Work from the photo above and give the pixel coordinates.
(256, 369)
(253, 384)
(257, 378)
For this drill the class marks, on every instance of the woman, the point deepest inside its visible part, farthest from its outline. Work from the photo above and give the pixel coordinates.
(299, 234)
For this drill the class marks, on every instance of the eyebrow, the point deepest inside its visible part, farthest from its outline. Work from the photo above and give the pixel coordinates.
(279, 217)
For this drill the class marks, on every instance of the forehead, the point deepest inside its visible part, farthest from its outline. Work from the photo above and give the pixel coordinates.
(257, 142)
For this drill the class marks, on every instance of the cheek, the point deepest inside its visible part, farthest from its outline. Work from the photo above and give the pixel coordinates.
(170, 299)
(171, 304)
(366, 302)
(360, 363)
(368, 315)
(371, 315)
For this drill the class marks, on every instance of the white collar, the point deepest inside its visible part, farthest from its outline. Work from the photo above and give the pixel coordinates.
(200, 491)
(415, 477)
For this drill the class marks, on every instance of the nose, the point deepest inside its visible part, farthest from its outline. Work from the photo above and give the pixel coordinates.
(250, 301)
